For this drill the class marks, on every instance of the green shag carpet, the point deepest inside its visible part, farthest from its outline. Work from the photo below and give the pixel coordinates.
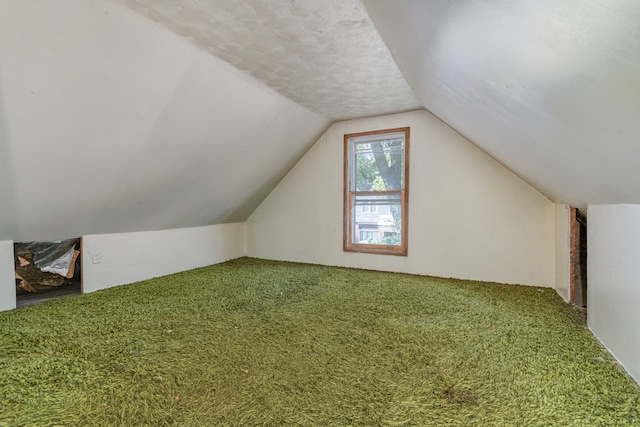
(260, 343)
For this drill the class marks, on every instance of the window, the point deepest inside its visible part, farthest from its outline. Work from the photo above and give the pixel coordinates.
(376, 173)
(367, 235)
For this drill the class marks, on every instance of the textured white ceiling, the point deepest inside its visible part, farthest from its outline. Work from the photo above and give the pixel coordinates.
(325, 55)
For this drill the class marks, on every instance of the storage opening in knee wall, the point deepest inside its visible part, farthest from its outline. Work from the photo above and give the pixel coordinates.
(578, 279)
(47, 270)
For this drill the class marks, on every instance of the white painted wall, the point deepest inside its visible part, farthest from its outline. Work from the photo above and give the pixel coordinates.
(563, 250)
(469, 217)
(116, 259)
(614, 281)
(7, 276)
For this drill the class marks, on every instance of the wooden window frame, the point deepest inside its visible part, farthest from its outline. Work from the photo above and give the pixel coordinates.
(348, 245)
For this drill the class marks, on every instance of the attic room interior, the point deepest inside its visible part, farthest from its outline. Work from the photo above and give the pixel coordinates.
(247, 135)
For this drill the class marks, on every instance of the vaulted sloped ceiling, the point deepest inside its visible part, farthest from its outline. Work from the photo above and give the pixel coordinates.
(139, 115)
(550, 88)
(111, 123)
(130, 115)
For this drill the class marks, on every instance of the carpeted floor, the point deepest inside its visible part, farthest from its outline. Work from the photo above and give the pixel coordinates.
(260, 343)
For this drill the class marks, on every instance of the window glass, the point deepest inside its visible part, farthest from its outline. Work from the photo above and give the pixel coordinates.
(376, 191)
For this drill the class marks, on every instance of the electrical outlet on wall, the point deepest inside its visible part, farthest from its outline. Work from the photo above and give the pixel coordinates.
(96, 257)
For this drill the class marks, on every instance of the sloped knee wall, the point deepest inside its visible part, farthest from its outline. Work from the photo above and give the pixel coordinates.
(7, 278)
(614, 281)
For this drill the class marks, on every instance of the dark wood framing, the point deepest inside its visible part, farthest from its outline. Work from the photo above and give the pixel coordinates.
(573, 238)
(348, 246)
(578, 258)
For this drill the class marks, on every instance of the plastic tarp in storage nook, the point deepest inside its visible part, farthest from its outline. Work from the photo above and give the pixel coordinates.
(42, 266)
(53, 257)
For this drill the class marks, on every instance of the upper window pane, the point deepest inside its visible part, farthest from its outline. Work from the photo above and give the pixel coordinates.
(379, 165)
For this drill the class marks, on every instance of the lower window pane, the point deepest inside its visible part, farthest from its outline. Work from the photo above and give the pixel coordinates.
(377, 219)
